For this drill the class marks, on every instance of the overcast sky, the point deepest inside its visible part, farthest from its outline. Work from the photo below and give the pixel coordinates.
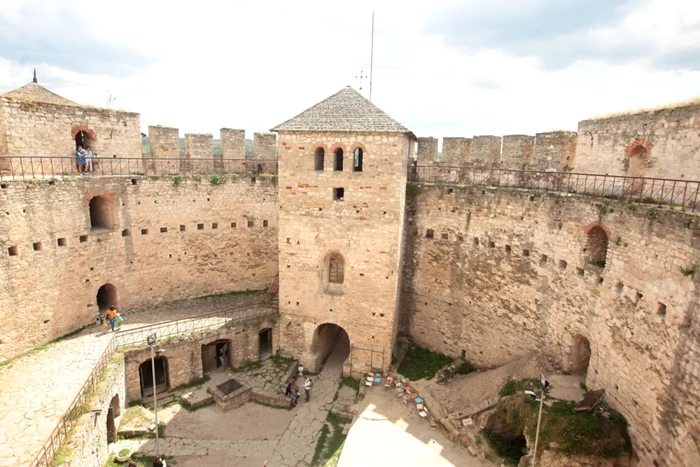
(441, 67)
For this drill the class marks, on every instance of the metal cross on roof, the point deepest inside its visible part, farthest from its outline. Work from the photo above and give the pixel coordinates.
(361, 77)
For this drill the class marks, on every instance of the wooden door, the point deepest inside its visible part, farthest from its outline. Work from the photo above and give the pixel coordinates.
(209, 358)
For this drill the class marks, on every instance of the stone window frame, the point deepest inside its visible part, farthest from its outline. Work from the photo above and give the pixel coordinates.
(334, 148)
(354, 147)
(329, 262)
(323, 158)
(588, 231)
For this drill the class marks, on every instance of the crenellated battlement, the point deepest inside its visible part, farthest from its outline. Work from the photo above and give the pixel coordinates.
(551, 150)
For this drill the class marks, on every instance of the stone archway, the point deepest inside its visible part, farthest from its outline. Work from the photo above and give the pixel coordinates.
(106, 297)
(146, 376)
(580, 355)
(330, 347)
(113, 412)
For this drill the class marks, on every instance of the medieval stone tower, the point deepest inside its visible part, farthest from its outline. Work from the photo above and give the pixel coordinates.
(342, 179)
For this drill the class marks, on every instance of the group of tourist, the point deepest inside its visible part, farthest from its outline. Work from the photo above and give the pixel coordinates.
(293, 391)
(112, 317)
(84, 159)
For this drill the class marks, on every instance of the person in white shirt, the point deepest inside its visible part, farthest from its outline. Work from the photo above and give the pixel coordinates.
(307, 388)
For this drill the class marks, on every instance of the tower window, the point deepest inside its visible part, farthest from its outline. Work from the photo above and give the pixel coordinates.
(338, 194)
(357, 160)
(338, 160)
(336, 269)
(319, 156)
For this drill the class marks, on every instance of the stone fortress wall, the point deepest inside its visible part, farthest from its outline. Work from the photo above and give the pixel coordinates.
(156, 241)
(663, 143)
(495, 274)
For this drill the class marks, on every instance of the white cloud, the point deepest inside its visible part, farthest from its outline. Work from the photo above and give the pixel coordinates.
(253, 65)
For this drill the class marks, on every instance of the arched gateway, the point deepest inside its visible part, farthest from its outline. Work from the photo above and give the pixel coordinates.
(330, 347)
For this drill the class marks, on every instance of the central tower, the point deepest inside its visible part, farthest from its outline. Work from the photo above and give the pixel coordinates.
(342, 191)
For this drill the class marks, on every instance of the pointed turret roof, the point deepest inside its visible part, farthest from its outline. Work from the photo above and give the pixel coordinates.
(34, 92)
(346, 110)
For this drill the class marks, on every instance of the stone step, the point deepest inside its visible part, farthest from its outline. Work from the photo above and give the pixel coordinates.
(163, 399)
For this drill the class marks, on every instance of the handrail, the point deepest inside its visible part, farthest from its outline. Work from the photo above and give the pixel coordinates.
(660, 191)
(129, 337)
(32, 167)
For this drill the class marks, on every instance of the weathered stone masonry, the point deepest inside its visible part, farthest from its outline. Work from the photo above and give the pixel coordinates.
(506, 273)
(167, 242)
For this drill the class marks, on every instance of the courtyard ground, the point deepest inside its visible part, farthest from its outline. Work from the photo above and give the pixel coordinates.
(37, 388)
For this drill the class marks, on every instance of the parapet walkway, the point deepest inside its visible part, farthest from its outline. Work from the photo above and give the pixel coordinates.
(37, 389)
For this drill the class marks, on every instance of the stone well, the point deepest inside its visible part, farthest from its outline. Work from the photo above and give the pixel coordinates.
(230, 394)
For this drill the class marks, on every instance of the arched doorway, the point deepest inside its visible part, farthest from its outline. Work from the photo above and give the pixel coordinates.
(597, 246)
(113, 412)
(216, 355)
(265, 343)
(106, 297)
(101, 214)
(146, 376)
(580, 355)
(330, 347)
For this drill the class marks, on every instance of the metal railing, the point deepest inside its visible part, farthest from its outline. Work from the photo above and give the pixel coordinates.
(75, 410)
(207, 321)
(660, 191)
(32, 167)
(217, 319)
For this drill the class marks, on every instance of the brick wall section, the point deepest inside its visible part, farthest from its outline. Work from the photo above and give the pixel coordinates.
(164, 144)
(463, 297)
(38, 129)
(184, 354)
(427, 150)
(672, 135)
(486, 150)
(517, 151)
(265, 143)
(560, 146)
(366, 228)
(50, 292)
(232, 143)
(455, 150)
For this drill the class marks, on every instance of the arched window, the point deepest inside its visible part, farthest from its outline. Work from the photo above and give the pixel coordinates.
(319, 156)
(100, 214)
(597, 246)
(357, 160)
(638, 161)
(336, 269)
(338, 160)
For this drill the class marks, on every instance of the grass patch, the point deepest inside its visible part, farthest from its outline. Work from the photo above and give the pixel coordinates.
(217, 179)
(350, 382)
(44, 346)
(287, 406)
(193, 383)
(601, 432)
(281, 361)
(141, 461)
(510, 451)
(412, 190)
(512, 386)
(320, 445)
(192, 407)
(465, 368)
(177, 179)
(247, 366)
(134, 415)
(689, 271)
(330, 442)
(422, 363)
(62, 456)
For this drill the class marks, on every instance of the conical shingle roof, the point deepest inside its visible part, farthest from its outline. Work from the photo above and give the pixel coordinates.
(34, 92)
(346, 110)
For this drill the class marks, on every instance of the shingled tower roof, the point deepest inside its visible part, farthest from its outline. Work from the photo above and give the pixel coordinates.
(33, 92)
(346, 110)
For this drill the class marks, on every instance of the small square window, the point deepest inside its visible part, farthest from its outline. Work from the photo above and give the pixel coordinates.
(62, 242)
(144, 231)
(200, 226)
(264, 223)
(233, 225)
(163, 230)
(133, 181)
(215, 225)
(543, 260)
(12, 251)
(492, 244)
(125, 233)
(429, 233)
(36, 246)
(562, 264)
(338, 194)
(508, 249)
(183, 228)
(476, 241)
(444, 236)
(580, 272)
(251, 224)
(526, 252)
(83, 238)
(661, 310)
(460, 238)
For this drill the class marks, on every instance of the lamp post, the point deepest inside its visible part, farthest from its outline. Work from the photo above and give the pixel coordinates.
(545, 385)
(151, 340)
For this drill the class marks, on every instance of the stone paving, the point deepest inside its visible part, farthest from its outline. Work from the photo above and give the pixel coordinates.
(37, 389)
(291, 444)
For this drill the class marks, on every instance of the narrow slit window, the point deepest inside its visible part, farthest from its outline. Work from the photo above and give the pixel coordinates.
(357, 160)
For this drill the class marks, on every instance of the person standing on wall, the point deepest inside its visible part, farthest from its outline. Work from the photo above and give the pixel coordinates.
(260, 164)
(88, 159)
(80, 159)
(112, 316)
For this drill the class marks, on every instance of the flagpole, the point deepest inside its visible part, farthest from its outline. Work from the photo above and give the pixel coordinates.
(371, 61)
